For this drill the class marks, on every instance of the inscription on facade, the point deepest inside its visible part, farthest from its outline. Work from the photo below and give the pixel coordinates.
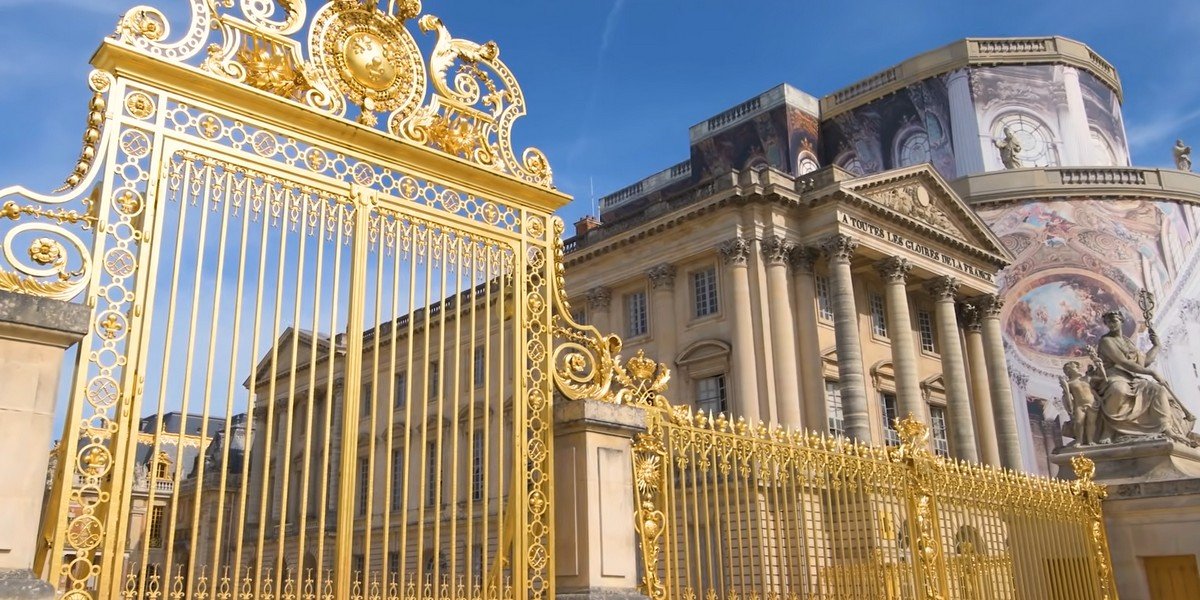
(913, 246)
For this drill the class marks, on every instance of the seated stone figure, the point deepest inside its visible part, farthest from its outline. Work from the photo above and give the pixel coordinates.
(1135, 400)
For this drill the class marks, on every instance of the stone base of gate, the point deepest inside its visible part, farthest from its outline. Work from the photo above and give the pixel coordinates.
(34, 334)
(595, 541)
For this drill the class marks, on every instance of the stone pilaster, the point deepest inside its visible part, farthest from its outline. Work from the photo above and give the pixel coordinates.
(1007, 437)
(981, 395)
(34, 335)
(954, 375)
(910, 401)
(776, 251)
(662, 299)
(596, 550)
(811, 371)
(599, 299)
(855, 409)
(736, 254)
(964, 128)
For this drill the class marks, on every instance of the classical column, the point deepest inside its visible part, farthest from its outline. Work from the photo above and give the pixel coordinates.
(736, 253)
(895, 271)
(981, 395)
(598, 299)
(812, 370)
(840, 249)
(997, 367)
(662, 284)
(954, 375)
(1081, 132)
(775, 252)
(964, 128)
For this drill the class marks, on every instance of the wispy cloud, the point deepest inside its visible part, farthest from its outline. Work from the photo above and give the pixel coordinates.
(606, 36)
(1159, 130)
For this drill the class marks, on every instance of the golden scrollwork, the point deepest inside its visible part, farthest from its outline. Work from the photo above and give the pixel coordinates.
(462, 101)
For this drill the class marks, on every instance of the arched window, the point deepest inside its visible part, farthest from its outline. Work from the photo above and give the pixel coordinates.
(1102, 150)
(912, 148)
(850, 162)
(806, 163)
(1038, 148)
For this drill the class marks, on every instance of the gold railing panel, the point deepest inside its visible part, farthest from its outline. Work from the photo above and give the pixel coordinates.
(320, 360)
(733, 510)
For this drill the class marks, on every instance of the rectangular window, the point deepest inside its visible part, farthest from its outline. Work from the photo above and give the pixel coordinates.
(435, 380)
(477, 465)
(889, 419)
(833, 408)
(364, 472)
(925, 325)
(357, 564)
(824, 301)
(393, 565)
(480, 372)
(579, 315)
(364, 400)
(431, 476)
(477, 563)
(156, 525)
(940, 434)
(704, 288)
(397, 478)
(710, 395)
(401, 394)
(635, 312)
(878, 315)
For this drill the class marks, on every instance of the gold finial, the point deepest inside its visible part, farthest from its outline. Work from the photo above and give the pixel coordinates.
(1084, 468)
(641, 367)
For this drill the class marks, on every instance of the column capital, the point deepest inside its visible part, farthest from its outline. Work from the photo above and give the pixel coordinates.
(803, 259)
(736, 252)
(599, 297)
(969, 316)
(775, 250)
(894, 269)
(662, 276)
(957, 74)
(988, 305)
(839, 247)
(942, 288)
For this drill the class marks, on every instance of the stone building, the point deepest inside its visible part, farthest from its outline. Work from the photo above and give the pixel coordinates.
(711, 265)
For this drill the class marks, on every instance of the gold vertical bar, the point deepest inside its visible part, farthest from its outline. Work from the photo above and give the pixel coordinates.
(503, 553)
(389, 485)
(376, 224)
(473, 329)
(409, 355)
(363, 200)
(439, 445)
(423, 448)
(485, 517)
(455, 475)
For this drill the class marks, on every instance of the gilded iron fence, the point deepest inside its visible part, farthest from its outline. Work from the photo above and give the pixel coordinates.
(321, 281)
(730, 510)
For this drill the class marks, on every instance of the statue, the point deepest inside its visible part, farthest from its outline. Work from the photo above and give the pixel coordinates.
(1009, 148)
(1183, 156)
(1080, 398)
(1135, 400)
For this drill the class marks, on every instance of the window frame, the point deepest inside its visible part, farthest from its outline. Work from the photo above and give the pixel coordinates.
(835, 415)
(709, 272)
(643, 317)
(925, 319)
(877, 305)
(722, 391)
(940, 444)
(891, 436)
(824, 292)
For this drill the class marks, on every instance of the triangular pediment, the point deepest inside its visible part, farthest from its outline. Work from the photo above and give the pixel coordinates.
(920, 197)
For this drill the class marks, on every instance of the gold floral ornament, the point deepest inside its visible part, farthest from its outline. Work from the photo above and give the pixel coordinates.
(45, 251)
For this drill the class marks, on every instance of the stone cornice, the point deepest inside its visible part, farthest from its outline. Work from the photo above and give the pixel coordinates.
(1012, 185)
(971, 52)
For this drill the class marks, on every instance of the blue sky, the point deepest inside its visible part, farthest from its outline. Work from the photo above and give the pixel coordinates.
(613, 85)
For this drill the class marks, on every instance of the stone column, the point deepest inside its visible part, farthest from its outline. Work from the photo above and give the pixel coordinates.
(1007, 437)
(981, 395)
(964, 126)
(662, 323)
(775, 251)
(909, 399)
(840, 249)
(1081, 132)
(736, 253)
(598, 299)
(34, 334)
(595, 541)
(812, 370)
(954, 375)
(1071, 152)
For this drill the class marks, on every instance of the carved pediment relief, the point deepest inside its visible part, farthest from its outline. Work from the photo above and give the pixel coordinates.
(915, 200)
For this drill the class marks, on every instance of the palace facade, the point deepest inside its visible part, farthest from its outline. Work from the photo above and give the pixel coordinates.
(936, 239)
